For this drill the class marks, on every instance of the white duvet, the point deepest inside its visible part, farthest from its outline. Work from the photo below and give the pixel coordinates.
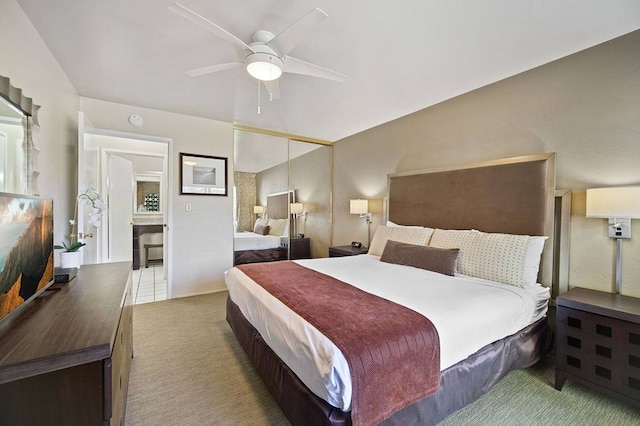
(252, 241)
(467, 312)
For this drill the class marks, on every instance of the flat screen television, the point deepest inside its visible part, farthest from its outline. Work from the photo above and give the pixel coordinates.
(26, 249)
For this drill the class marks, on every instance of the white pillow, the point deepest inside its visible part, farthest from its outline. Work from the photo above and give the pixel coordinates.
(500, 257)
(506, 258)
(417, 236)
(277, 226)
(465, 240)
(261, 222)
(532, 261)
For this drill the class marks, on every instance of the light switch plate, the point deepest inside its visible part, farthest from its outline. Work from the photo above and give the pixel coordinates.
(187, 207)
(622, 231)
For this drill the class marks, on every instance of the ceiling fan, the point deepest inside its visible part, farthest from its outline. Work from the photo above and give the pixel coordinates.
(266, 57)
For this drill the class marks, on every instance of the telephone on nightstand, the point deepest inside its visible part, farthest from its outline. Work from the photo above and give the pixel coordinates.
(356, 244)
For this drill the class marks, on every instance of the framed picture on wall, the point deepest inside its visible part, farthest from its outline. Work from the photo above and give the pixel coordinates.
(203, 175)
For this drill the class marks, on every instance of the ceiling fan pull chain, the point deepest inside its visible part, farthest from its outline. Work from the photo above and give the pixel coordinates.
(258, 96)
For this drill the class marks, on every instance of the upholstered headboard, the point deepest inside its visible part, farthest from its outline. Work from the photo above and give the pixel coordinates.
(512, 196)
(278, 205)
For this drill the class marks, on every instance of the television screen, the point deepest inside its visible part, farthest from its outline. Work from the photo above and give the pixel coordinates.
(26, 249)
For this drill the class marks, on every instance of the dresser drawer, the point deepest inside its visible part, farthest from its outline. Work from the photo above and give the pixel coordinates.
(120, 364)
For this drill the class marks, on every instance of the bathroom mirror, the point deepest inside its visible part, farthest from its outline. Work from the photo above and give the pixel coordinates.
(18, 130)
(146, 196)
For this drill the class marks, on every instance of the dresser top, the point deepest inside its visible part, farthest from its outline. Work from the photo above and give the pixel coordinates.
(608, 304)
(70, 324)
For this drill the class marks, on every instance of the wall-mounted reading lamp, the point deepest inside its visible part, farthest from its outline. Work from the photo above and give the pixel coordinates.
(297, 210)
(619, 205)
(361, 207)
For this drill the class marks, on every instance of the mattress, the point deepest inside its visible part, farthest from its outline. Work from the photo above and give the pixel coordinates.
(252, 241)
(468, 313)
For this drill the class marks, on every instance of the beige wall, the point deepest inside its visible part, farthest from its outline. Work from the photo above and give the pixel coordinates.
(26, 60)
(585, 107)
(200, 241)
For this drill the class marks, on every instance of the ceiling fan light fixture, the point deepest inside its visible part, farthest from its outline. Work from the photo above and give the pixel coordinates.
(263, 66)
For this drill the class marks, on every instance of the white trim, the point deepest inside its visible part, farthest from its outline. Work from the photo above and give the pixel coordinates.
(127, 135)
(168, 170)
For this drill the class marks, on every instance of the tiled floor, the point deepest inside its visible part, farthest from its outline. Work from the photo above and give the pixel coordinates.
(149, 284)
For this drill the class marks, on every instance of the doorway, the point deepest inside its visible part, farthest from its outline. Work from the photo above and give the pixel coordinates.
(128, 220)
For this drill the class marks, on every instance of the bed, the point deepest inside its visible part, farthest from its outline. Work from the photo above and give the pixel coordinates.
(263, 243)
(480, 205)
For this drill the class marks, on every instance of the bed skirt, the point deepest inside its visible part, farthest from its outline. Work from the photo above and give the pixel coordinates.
(256, 256)
(460, 384)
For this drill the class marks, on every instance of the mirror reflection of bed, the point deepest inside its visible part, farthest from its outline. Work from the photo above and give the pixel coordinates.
(267, 165)
(267, 240)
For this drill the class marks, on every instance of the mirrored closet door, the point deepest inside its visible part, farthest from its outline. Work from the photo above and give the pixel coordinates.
(282, 197)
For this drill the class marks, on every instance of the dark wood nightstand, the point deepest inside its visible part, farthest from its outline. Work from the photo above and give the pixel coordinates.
(299, 248)
(598, 342)
(339, 251)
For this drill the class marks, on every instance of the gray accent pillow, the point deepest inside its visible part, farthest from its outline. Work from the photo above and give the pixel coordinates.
(262, 229)
(442, 261)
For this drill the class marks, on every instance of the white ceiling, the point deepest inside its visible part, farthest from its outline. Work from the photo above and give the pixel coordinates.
(400, 56)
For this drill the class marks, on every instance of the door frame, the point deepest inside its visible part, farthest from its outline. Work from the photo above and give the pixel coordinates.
(168, 172)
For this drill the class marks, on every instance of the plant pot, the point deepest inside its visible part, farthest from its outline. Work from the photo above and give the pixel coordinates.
(70, 259)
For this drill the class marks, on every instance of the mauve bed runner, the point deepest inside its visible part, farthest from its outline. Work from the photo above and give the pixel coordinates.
(392, 351)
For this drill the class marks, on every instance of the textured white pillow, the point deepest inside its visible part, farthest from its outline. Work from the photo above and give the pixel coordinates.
(417, 236)
(500, 257)
(506, 258)
(465, 240)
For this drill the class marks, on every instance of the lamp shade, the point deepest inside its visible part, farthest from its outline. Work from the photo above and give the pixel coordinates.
(297, 208)
(621, 202)
(359, 207)
(264, 66)
(258, 209)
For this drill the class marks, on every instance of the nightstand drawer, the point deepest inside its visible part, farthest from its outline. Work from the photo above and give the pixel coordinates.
(597, 348)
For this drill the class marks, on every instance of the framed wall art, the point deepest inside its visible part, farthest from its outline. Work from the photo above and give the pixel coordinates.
(203, 175)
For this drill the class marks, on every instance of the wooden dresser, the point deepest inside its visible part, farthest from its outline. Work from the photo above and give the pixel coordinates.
(65, 357)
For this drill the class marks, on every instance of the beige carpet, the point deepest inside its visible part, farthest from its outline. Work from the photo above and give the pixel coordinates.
(188, 369)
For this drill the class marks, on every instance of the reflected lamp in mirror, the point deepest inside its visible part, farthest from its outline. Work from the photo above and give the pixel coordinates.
(618, 205)
(258, 210)
(361, 207)
(297, 210)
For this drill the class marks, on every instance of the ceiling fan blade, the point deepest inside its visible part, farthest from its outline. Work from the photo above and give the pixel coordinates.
(289, 38)
(212, 68)
(208, 25)
(273, 88)
(297, 66)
